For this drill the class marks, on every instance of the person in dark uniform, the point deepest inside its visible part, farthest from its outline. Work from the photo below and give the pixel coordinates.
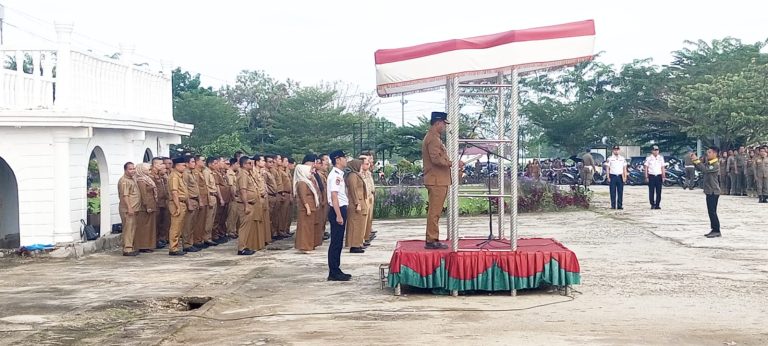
(710, 167)
(690, 171)
(337, 215)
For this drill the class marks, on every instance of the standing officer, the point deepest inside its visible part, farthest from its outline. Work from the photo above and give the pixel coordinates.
(761, 175)
(287, 196)
(232, 215)
(733, 174)
(322, 210)
(371, 188)
(711, 185)
(690, 171)
(247, 201)
(225, 191)
(557, 170)
(723, 161)
(193, 205)
(437, 177)
(323, 168)
(741, 161)
(130, 203)
(749, 171)
(276, 196)
(337, 215)
(617, 177)
(158, 175)
(177, 205)
(588, 170)
(655, 174)
(214, 199)
(265, 226)
(198, 226)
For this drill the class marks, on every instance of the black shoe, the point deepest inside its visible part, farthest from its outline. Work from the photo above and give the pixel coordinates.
(339, 277)
(435, 246)
(146, 250)
(176, 253)
(221, 240)
(191, 249)
(356, 250)
(326, 236)
(201, 246)
(620, 208)
(160, 245)
(712, 234)
(211, 243)
(131, 254)
(613, 207)
(246, 252)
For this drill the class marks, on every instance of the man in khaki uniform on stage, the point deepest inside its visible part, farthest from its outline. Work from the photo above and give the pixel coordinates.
(437, 177)
(130, 202)
(177, 205)
(193, 206)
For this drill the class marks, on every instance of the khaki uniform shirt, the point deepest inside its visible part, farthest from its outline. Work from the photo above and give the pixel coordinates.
(211, 186)
(761, 167)
(162, 190)
(191, 183)
(711, 180)
(732, 165)
(128, 188)
(269, 180)
(437, 166)
(369, 184)
(176, 183)
(287, 180)
(202, 187)
(278, 179)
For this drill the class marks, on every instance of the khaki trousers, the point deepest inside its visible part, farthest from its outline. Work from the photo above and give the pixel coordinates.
(163, 223)
(369, 220)
(190, 218)
(232, 218)
(177, 223)
(437, 196)
(210, 217)
(762, 185)
(129, 230)
(198, 227)
(274, 214)
(247, 225)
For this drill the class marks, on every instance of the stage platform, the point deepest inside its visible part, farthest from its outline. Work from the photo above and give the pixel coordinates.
(493, 267)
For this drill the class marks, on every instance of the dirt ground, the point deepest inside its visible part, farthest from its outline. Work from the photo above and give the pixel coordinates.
(648, 277)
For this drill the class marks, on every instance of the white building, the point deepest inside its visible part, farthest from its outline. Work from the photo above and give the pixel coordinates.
(58, 111)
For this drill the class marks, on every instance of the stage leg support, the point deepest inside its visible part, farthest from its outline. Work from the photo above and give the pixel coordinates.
(513, 293)
(455, 293)
(398, 290)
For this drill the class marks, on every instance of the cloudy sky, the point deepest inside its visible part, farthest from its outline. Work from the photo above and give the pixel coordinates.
(314, 41)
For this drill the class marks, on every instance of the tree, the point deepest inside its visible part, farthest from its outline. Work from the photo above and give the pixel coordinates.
(184, 82)
(211, 114)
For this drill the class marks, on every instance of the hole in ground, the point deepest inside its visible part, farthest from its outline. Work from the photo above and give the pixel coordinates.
(192, 303)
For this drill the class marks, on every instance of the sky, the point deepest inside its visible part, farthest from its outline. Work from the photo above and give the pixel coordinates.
(324, 41)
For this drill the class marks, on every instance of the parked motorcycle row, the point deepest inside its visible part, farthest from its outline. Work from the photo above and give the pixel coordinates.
(636, 176)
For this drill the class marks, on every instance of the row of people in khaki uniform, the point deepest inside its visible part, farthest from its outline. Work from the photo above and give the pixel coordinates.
(742, 172)
(191, 203)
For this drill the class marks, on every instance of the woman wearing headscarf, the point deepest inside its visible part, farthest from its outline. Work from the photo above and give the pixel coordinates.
(357, 214)
(306, 194)
(146, 217)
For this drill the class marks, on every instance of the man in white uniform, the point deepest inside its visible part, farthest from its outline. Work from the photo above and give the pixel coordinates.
(655, 174)
(617, 177)
(337, 215)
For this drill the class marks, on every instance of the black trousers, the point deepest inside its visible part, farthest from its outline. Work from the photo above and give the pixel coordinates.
(654, 189)
(337, 240)
(690, 176)
(617, 191)
(714, 222)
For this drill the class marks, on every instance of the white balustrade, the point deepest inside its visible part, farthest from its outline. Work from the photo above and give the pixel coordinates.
(74, 81)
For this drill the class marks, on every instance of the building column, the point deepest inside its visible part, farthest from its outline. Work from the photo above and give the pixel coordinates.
(62, 229)
(64, 78)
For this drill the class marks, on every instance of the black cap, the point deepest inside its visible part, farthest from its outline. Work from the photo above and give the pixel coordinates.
(616, 147)
(179, 160)
(309, 158)
(439, 116)
(336, 154)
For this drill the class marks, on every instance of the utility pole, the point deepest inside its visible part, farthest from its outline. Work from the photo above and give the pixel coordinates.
(403, 101)
(2, 17)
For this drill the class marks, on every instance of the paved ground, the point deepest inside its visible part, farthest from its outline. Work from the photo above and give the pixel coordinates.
(649, 277)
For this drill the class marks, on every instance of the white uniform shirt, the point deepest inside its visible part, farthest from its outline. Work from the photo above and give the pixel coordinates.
(654, 164)
(336, 183)
(616, 164)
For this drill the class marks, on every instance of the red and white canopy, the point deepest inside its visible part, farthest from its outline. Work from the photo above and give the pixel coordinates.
(426, 66)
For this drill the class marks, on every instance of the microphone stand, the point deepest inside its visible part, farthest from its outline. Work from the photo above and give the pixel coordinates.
(500, 168)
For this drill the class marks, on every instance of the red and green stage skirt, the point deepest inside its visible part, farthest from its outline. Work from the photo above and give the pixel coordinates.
(492, 267)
